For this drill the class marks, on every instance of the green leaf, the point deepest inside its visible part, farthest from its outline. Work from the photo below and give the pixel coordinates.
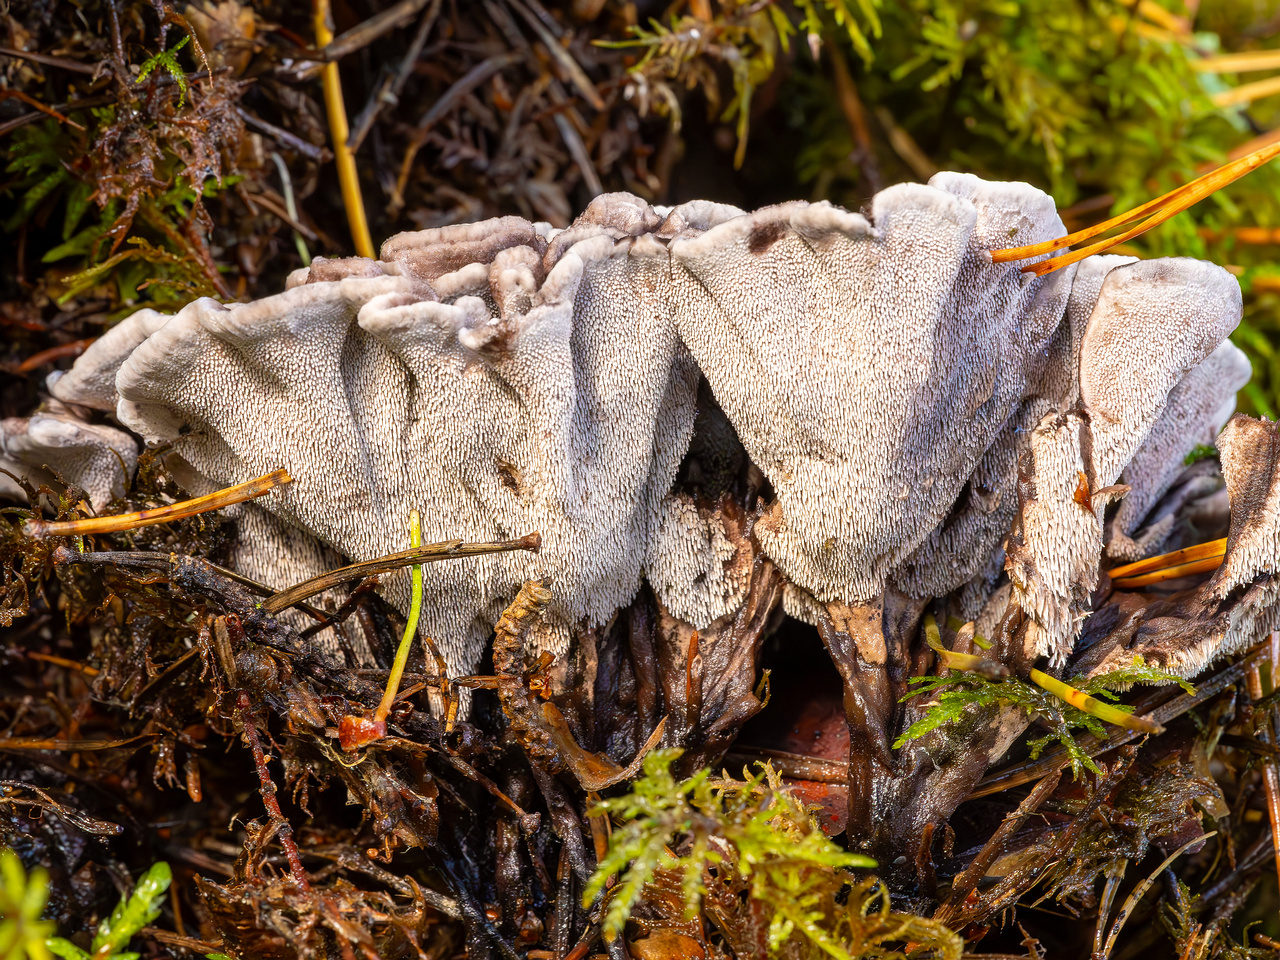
(22, 901)
(78, 199)
(34, 194)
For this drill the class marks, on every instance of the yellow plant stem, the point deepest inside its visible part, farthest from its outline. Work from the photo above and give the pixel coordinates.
(1201, 558)
(956, 624)
(1239, 62)
(1247, 92)
(145, 518)
(1155, 211)
(348, 178)
(950, 660)
(1092, 706)
(410, 627)
(965, 662)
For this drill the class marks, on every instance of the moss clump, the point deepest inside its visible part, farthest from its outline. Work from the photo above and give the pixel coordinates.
(749, 856)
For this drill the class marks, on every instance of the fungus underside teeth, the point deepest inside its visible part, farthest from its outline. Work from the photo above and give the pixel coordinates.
(1202, 558)
(1150, 214)
(1092, 706)
(175, 511)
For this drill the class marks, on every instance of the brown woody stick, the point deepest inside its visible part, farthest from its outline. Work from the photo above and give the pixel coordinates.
(448, 550)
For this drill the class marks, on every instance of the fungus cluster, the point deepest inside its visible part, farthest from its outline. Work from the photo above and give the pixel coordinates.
(711, 416)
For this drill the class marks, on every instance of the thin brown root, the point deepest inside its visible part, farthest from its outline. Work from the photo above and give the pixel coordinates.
(1266, 732)
(267, 789)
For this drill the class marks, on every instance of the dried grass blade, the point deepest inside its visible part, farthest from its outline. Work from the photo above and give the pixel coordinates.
(74, 746)
(1142, 888)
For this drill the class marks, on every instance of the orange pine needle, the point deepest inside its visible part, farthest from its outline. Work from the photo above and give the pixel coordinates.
(1201, 558)
(145, 518)
(1171, 573)
(1159, 210)
(64, 662)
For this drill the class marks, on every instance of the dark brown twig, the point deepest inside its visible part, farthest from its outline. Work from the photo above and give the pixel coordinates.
(968, 879)
(285, 138)
(449, 550)
(363, 34)
(392, 85)
(577, 76)
(1011, 889)
(62, 63)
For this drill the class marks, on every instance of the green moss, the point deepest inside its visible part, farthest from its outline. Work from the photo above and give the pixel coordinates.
(749, 855)
(963, 694)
